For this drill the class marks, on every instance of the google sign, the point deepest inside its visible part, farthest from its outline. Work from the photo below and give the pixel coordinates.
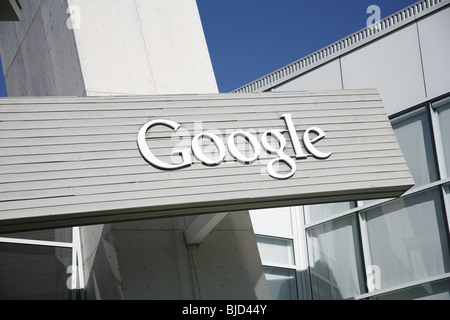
(256, 146)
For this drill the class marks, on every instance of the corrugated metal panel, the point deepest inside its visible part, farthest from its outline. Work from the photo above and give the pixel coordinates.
(32, 272)
(67, 161)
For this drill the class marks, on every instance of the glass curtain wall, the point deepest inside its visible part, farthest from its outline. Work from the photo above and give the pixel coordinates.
(387, 248)
(41, 265)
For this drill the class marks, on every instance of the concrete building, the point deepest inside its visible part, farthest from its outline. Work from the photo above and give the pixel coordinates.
(367, 248)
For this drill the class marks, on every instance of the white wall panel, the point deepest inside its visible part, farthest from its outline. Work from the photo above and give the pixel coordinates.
(392, 65)
(325, 77)
(176, 46)
(434, 40)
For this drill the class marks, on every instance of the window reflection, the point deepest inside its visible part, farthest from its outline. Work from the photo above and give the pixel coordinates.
(408, 239)
(443, 112)
(414, 137)
(317, 212)
(335, 259)
(281, 282)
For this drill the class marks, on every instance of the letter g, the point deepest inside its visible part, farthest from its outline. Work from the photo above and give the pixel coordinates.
(282, 157)
(150, 157)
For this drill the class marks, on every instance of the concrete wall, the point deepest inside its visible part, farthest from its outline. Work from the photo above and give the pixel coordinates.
(39, 58)
(142, 47)
(129, 48)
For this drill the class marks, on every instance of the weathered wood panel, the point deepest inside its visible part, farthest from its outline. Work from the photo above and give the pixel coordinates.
(74, 161)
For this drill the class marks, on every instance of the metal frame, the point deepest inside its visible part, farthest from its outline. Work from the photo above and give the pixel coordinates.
(77, 277)
(443, 185)
(402, 287)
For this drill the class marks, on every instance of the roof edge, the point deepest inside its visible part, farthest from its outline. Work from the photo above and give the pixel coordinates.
(349, 43)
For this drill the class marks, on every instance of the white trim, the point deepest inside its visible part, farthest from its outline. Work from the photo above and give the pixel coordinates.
(403, 286)
(366, 258)
(36, 242)
(301, 253)
(75, 272)
(440, 103)
(76, 238)
(202, 226)
(382, 201)
(408, 115)
(446, 209)
(438, 138)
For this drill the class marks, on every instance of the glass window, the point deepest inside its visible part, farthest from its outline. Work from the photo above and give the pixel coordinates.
(275, 250)
(282, 283)
(429, 291)
(34, 272)
(372, 201)
(60, 235)
(335, 259)
(414, 137)
(317, 212)
(444, 132)
(407, 239)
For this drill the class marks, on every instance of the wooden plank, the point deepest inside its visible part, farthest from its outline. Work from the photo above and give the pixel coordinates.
(77, 159)
(194, 171)
(266, 188)
(214, 107)
(123, 209)
(134, 178)
(333, 138)
(165, 145)
(88, 103)
(118, 165)
(303, 174)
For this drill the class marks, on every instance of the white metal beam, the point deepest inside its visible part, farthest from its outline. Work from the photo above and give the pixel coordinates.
(202, 226)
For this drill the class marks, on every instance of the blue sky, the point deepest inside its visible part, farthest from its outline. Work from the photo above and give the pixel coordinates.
(248, 39)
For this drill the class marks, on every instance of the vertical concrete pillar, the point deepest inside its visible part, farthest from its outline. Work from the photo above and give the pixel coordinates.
(139, 47)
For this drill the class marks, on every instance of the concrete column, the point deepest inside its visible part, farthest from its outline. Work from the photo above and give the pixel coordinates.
(140, 47)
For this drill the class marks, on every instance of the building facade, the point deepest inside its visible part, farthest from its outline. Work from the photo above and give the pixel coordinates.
(385, 249)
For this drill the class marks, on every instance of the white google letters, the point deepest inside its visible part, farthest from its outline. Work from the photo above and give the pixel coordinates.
(233, 150)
